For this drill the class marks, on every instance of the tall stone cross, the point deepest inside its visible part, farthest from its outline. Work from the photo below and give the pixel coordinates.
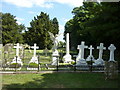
(90, 57)
(81, 50)
(101, 48)
(17, 49)
(34, 47)
(112, 49)
(91, 48)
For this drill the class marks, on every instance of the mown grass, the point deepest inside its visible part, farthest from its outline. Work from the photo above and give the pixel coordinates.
(58, 80)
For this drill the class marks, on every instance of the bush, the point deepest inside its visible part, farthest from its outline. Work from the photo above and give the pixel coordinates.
(33, 65)
(73, 62)
(15, 65)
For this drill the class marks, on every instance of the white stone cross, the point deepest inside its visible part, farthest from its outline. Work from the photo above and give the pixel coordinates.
(91, 48)
(81, 49)
(112, 49)
(34, 47)
(17, 49)
(101, 48)
(90, 57)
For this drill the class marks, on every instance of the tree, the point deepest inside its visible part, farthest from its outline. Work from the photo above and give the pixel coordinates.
(11, 31)
(38, 31)
(95, 23)
(76, 27)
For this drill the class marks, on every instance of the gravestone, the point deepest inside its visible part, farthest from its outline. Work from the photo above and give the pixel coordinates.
(17, 59)
(80, 58)
(46, 51)
(10, 47)
(1, 45)
(6, 52)
(67, 58)
(100, 61)
(22, 51)
(111, 66)
(6, 48)
(1, 51)
(34, 58)
(112, 49)
(90, 57)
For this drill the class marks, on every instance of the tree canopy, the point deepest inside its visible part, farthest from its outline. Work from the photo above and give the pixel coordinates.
(11, 31)
(38, 30)
(95, 23)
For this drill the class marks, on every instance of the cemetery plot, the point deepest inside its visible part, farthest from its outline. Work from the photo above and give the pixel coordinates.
(38, 61)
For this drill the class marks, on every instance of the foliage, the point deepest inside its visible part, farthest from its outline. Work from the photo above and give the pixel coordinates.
(38, 31)
(95, 23)
(15, 65)
(11, 31)
(33, 65)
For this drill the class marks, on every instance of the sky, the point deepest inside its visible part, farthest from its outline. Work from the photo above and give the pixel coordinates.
(26, 10)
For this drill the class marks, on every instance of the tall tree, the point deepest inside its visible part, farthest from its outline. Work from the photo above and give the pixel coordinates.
(38, 31)
(75, 26)
(11, 31)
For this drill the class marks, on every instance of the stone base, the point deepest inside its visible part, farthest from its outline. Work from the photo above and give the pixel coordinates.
(55, 56)
(32, 68)
(81, 62)
(99, 62)
(18, 61)
(34, 60)
(54, 60)
(67, 58)
(89, 58)
(55, 53)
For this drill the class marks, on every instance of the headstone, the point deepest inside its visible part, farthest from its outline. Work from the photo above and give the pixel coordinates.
(67, 58)
(90, 57)
(80, 58)
(17, 54)
(1, 48)
(112, 49)
(100, 61)
(29, 49)
(22, 51)
(45, 51)
(6, 48)
(34, 58)
(1, 52)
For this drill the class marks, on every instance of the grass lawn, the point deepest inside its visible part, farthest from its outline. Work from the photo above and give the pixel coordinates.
(58, 80)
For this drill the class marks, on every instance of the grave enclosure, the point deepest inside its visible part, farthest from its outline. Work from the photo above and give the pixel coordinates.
(26, 60)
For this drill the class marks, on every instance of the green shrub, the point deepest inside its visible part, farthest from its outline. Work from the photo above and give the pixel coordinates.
(33, 65)
(73, 62)
(15, 65)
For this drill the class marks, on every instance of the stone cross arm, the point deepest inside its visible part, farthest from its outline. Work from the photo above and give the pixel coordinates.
(101, 47)
(112, 47)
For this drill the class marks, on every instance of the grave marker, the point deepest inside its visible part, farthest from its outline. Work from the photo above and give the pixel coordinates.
(17, 57)
(67, 58)
(80, 58)
(90, 57)
(100, 61)
(112, 49)
(34, 58)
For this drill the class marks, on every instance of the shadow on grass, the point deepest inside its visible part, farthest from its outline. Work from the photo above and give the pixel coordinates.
(67, 80)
